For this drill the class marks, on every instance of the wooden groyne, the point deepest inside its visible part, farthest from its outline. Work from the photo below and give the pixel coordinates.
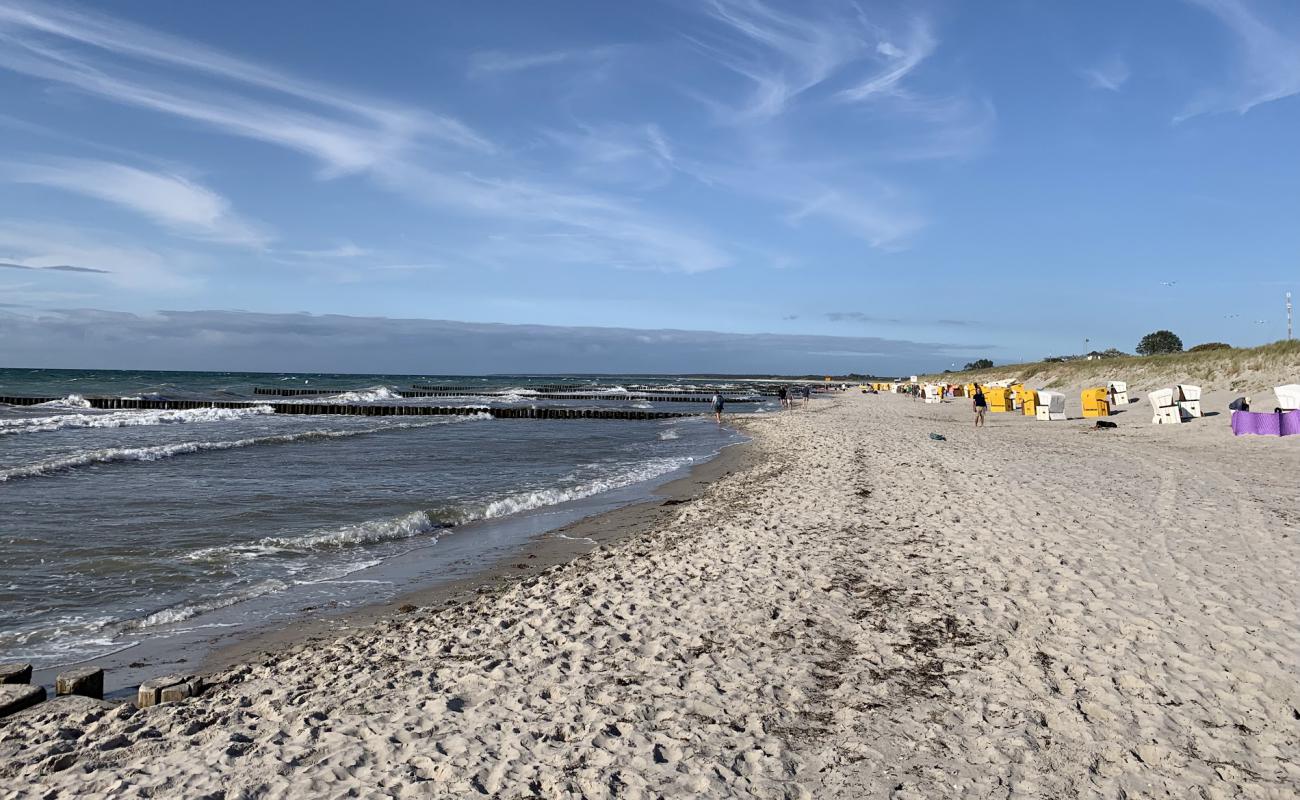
(607, 396)
(131, 404)
(676, 397)
(297, 391)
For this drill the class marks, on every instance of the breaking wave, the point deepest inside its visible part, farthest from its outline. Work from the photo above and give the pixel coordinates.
(372, 395)
(162, 451)
(71, 401)
(126, 419)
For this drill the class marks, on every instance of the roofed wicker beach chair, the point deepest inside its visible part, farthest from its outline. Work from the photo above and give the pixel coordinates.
(1050, 406)
(1288, 396)
(1166, 411)
(1188, 399)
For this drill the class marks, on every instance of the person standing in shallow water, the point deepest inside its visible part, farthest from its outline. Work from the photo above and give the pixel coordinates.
(784, 396)
(717, 406)
(980, 405)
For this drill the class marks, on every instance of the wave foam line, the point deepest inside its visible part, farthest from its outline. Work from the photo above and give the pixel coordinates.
(377, 531)
(158, 452)
(127, 419)
(423, 523)
(528, 501)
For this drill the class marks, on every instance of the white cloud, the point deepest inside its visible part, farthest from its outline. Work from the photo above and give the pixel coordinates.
(95, 54)
(496, 62)
(1110, 75)
(900, 61)
(1269, 65)
(126, 264)
(784, 55)
(168, 199)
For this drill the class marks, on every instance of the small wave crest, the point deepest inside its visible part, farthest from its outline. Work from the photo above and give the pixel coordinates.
(372, 395)
(376, 531)
(162, 451)
(126, 419)
(528, 501)
(71, 401)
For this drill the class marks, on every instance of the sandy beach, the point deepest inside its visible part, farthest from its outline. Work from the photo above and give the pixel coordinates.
(1029, 610)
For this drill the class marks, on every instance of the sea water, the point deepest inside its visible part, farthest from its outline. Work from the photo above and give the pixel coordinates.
(122, 526)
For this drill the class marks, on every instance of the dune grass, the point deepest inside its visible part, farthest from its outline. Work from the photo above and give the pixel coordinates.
(1240, 369)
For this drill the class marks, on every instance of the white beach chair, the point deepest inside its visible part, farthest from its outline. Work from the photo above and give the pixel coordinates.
(1050, 406)
(1166, 411)
(1118, 393)
(1288, 396)
(1188, 399)
(933, 393)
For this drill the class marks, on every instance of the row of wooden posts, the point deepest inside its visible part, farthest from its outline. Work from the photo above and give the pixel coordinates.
(133, 404)
(675, 397)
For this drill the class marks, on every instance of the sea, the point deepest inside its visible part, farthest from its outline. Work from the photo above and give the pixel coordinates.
(120, 528)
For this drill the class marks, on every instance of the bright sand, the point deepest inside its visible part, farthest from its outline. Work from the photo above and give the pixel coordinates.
(1032, 610)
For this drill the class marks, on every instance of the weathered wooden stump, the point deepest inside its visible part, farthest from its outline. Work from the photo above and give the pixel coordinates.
(168, 689)
(84, 681)
(15, 673)
(14, 697)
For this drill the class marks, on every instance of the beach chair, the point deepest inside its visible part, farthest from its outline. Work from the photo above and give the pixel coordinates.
(1028, 402)
(932, 393)
(1050, 406)
(1288, 396)
(1165, 410)
(1188, 399)
(999, 399)
(1096, 402)
(1017, 395)
(1118, 393)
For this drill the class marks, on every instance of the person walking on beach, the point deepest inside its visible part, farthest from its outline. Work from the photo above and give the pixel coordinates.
(980, 405)
(717, 406)
(784, 396)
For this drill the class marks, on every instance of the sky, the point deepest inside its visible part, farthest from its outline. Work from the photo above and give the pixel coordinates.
(752, 185)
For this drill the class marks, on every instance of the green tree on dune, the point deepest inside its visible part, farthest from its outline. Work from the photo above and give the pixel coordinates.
(1159, 342)
(982, 363)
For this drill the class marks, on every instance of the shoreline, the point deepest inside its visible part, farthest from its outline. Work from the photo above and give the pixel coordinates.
(563, 545)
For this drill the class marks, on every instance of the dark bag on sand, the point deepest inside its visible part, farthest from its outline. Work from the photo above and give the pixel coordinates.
(1239, 404)
(1103, 425)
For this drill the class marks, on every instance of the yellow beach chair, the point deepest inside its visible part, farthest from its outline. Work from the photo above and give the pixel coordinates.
(1096, 402)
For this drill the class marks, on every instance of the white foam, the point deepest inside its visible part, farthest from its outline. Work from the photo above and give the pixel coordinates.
(528, 501)
(372, 395)
(71, 401)
(181, 613)
(126, 419)
(669, 435)
(406, 526)
(159, 452)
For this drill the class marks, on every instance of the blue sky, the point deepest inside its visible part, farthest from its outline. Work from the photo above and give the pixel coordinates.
(935, 181)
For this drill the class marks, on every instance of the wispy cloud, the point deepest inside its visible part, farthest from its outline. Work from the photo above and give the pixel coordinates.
(900, 57)
(168, 199)
(54, 267)
(497, 62)
(1269, 65)
(94, 53)
(783, 54)
(1110, 74)
(122, 262)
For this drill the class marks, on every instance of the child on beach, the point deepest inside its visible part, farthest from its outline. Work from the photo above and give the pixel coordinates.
(980, 405)
(717, 406)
